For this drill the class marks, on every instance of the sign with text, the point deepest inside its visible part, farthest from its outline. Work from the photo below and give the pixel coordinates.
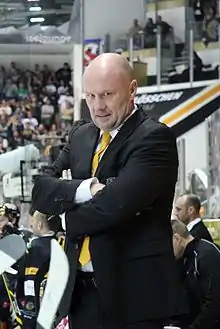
(161, 102)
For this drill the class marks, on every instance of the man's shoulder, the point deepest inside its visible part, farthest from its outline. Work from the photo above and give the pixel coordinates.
(206, 249)
(41, 242)
(151, 126)
(78, 126)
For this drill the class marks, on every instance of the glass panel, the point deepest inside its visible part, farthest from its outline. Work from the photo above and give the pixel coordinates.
(214, 163)
(166, 53)
(152, 42)
(202, 19)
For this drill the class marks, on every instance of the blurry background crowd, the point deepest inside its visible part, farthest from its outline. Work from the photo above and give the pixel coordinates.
(35, 106)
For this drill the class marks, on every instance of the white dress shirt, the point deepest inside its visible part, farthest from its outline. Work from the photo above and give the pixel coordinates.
(193, 223)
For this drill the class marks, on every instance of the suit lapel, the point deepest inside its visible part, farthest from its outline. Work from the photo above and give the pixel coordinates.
(89, 147)
(127, 129)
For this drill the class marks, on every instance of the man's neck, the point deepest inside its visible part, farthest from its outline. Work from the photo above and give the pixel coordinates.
(194, 218)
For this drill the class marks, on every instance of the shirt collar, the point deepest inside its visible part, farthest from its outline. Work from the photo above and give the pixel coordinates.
(193, 223)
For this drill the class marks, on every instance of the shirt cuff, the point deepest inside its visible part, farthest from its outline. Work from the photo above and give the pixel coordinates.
(83, 192)
(63, 221)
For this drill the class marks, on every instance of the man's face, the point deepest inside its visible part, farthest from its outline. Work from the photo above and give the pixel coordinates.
(109, 99)
(181, 210)
(178, 246)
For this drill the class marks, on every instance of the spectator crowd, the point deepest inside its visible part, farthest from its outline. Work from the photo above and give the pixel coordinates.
(35, 106)
(145, 36)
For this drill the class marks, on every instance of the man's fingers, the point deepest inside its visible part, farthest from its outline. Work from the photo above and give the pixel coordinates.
(96, 188)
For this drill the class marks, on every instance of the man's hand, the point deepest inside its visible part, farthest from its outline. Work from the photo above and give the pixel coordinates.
(96, 187)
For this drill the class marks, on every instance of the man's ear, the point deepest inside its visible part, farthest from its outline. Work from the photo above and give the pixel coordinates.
(176, 237)
(190, 210)
(133, 89)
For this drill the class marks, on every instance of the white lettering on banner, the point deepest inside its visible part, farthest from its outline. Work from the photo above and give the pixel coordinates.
(48, 39)
(158, 98)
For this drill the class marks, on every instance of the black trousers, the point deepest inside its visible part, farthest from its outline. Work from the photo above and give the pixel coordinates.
(86, 313)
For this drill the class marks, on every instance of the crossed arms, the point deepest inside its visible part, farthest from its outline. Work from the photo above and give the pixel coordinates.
(150, 171)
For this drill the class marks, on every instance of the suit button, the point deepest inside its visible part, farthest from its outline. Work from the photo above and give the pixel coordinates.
(76, 246)
(138, 214)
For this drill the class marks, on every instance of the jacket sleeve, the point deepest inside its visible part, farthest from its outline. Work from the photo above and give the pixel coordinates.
(50, 194)
(150, 171)
(209, 269)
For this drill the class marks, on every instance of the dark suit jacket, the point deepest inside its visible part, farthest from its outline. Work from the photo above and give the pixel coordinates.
(128, 221)
(200, 231)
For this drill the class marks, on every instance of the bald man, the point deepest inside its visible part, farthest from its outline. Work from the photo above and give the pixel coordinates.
(117, 207)
(187, 208)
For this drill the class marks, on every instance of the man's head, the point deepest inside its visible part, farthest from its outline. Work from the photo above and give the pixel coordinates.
(110, 89)
(38, 224)
(13, 213)
(187, 208)
(9, 215)
(41, 224)
(181, 238)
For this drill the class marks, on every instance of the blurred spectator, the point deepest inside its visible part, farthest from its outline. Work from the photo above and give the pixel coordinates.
(198, 11)
(136, 32)
(62, 89)
(210, 27)
(5, 108)
(165, 27)
(135, 29)
(67, 112)
(47, 112)
(21, 92)
(64, 74)
(63, 98)
(10, 89)
(150, 33)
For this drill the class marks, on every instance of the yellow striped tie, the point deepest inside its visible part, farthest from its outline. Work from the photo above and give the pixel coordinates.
(84, 257)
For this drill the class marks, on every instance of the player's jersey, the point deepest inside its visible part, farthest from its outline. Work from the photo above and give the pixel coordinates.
(32, 278)
(28, 284)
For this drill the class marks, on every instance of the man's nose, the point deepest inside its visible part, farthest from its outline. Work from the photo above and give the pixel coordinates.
(98, 104)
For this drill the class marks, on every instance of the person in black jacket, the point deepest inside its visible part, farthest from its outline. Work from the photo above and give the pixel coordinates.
(187, 208)
(117, 207)
(200, 269)
(34, 267)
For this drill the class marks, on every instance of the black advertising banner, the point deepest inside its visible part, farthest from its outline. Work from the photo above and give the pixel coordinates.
(157, 103)
(160, 103)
